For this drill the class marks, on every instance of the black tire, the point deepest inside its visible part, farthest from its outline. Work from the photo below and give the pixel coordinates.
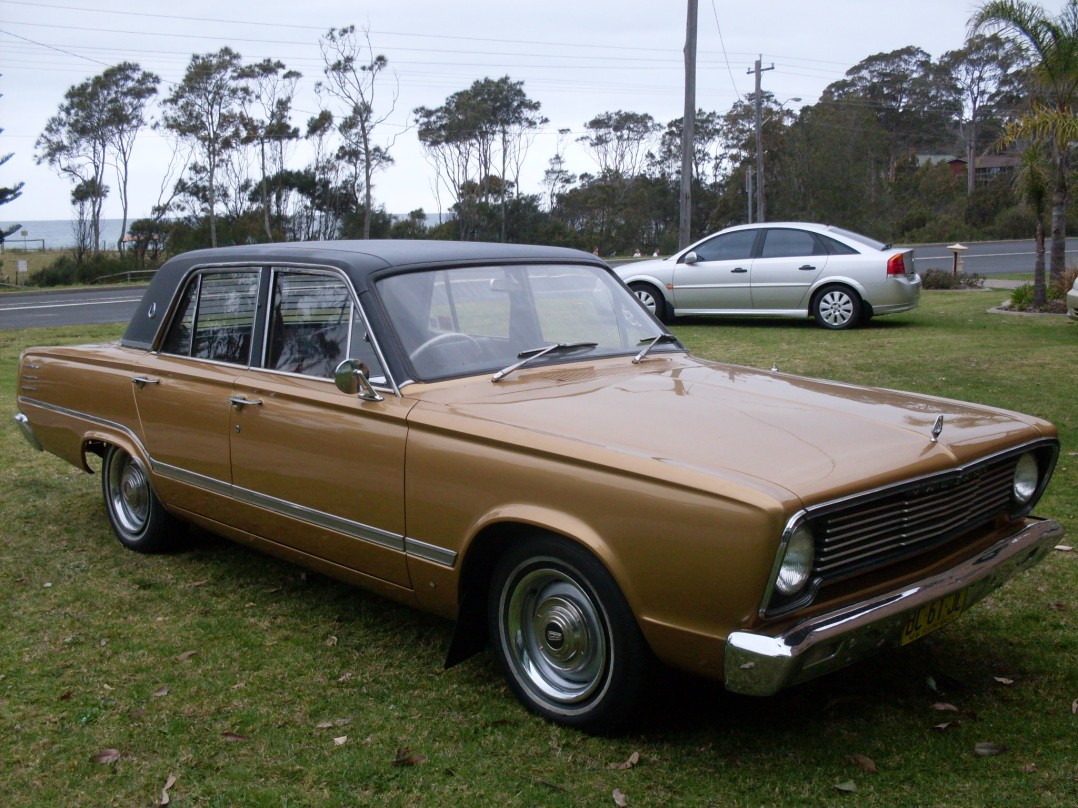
(837, 307)
(564, 635)
(652, 299)
(137, 516)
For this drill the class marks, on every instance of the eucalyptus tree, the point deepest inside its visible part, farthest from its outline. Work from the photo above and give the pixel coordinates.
(205, 111)
(488, 126)
(984, 69)
(353, 72)
(1050, 45)
(619, 141)
(95, 127)
(267, 124)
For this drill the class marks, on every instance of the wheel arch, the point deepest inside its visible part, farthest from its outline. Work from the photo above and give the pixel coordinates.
(651, 280)
(97, 442)
(481, 555)
(840, 280)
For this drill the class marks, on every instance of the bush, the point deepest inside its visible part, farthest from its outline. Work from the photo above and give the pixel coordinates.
(65, 270)
(1022, 297)
(945, 279)
(1058, 291)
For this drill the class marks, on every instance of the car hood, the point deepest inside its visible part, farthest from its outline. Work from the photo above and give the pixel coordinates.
(711, 425)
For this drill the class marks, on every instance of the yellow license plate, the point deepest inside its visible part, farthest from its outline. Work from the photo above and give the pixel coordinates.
(933, 615)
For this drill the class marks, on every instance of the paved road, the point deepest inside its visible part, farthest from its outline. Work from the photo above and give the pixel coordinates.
(64, 308)
(117, 304)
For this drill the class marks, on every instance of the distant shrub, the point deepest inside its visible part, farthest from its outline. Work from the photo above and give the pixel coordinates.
(1058, 291)
(946, 279)
(65, 270)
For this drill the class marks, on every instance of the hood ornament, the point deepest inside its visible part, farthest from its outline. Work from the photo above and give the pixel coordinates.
(937, 428)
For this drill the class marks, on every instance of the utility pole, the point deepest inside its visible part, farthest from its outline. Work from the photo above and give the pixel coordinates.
(760, 211)
(687, 131)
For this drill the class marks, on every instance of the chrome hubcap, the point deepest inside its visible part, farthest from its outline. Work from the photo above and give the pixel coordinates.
(648, 300)
(130, 494)
(555, 635)
(836, 308)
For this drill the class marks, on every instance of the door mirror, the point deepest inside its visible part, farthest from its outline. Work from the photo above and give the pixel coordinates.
(690, 257)
(352, 378)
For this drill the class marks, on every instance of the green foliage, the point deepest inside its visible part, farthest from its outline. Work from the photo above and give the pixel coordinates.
(1022, 297)
(67, 270)
(946, 279)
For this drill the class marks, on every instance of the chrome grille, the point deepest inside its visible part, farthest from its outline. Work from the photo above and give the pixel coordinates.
(898, 524)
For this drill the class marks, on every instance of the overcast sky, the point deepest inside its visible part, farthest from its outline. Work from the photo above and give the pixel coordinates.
(577, 58)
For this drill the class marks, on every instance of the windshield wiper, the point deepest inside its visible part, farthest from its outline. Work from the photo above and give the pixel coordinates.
(651, 343)
(534, 353)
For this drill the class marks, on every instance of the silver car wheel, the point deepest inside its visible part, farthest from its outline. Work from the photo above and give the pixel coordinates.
(555, 635)
(837, 307)
(651, 298)
(129, 494)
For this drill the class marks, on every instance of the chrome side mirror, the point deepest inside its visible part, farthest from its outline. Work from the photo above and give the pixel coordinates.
(352, 378)
(690, 257)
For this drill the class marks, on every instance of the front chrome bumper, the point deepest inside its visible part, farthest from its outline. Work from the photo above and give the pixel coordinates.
(761, 665)
(28, 431)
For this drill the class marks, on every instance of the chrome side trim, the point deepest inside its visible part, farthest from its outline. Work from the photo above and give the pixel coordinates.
(356, 530)
(429, 552)
(93, 419)
(28, 431)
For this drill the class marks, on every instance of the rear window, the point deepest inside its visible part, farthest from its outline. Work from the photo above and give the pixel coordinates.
(868, 242)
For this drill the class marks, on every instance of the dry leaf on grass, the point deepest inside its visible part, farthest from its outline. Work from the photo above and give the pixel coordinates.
(944, 707)
(161, 691)
(106, 756)
(847, 788)
(340, 741)
(634, 758)
(1074, 707)
(336, 722)
(943, 727)
(1064, 548)
(65, 695)
(1003, 680)
(186, 655)
(620, 799)
(1029, 768)
(331, 641)
(864, 763)
(406, 758)
(169, 783)
(234, 737)
(989, 749)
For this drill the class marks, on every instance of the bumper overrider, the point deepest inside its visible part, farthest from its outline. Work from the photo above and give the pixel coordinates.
(759, 664)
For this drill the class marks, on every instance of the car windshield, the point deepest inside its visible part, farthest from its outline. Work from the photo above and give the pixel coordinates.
(473, 320)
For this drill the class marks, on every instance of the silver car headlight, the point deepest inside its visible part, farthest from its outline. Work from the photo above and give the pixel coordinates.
(796, 567)
(1026, 478)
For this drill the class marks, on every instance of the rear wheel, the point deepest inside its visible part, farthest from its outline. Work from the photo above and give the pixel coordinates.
(836, 307)
(652, 299)
(137, 516)
(564, 635)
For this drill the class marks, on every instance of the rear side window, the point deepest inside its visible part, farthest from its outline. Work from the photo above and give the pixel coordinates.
(781, 242)
(215, 318)
(837, 247)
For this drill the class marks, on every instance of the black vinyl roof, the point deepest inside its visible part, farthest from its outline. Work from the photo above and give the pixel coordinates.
(359, 260)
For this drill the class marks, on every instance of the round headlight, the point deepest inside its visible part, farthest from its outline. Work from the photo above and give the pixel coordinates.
(1026, 477)
(797, 563)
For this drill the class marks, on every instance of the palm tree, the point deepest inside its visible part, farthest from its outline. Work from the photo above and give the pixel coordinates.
(1051, 44)
(1034, 184)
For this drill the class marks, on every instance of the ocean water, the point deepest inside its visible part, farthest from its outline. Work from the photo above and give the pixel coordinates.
(56, 233)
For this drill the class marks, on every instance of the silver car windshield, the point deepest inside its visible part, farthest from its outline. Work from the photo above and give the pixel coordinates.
(472, 320)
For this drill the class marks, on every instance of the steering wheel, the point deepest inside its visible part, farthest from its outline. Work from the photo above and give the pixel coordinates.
(439, 339)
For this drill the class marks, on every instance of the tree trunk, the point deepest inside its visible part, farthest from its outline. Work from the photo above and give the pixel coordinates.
(1059, 216)
(1040, 294)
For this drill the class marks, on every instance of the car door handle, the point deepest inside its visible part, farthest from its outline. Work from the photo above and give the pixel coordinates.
(739, 270)
(240, 401)
(142, 381)
(807, 267)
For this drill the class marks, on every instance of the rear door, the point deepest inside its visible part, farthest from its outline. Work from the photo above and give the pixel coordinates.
(789, 262)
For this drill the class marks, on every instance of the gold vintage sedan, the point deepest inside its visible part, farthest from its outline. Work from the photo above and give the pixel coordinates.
(505, 436)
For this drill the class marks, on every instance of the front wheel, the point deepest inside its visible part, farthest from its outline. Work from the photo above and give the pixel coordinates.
(652, 299)
(836, 307)
(564, 635)
(137, 516)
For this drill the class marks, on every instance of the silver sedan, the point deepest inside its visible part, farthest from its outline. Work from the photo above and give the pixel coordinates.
(788, 269)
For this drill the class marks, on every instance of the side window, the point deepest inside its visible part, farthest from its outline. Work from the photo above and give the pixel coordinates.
(782, 243)
(728, 247)
(837, 247)
(314, 325)
(215, 318)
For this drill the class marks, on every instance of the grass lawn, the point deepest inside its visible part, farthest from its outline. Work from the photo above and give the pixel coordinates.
(244, 681)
